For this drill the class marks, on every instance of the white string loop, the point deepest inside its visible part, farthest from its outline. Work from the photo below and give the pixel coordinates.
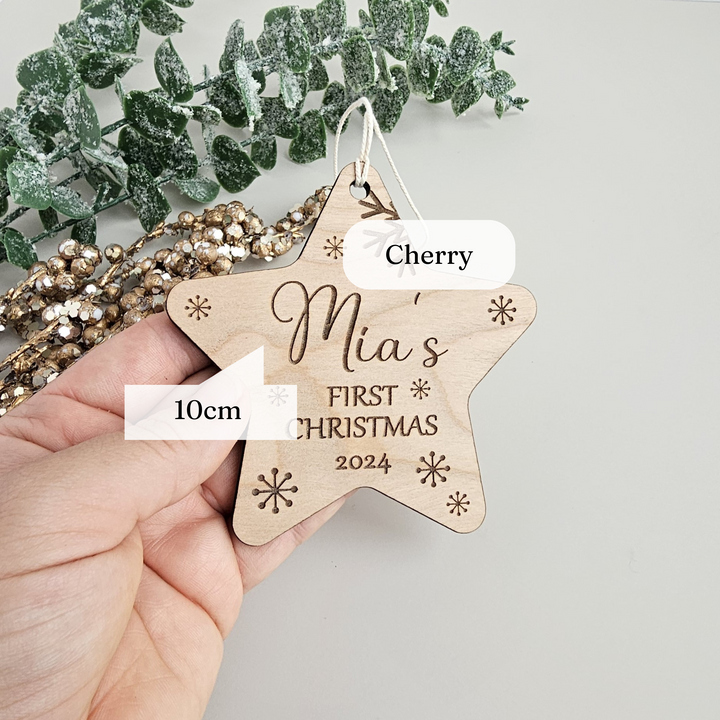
(362, 163)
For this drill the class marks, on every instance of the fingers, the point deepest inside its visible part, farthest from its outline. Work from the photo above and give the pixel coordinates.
(256, 563)
(86, 499)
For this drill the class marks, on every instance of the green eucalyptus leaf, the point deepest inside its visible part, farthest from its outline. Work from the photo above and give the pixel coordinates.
(496, 40)
(180, 157)
(3, 205)
(358, 63)
(423, 69)
(334, 104)
(264, 153)
(158, 17)
(48, 74)
(421, 13)
(70, 40)
(234, 44)
(389, 104)
(18, 248)
(85, 231)
(365, 20)
(497, 83)
(29, 184)
(466, 52)
(385, 79)
(206, 114)
(67, 202)
(251, 55)
(285, 36)
(311, 141)
(249, 88)
(24, 139)
(309, 18)
(172, 73)
(331, 19)
(467, 95)
(136, 149)
(225, 95)
(293, 88)
(233, 167)
(100, 68)
(181, 3)
(7, 155)
(317, 76)
(106, 25)
(199, 188)
(48, 218)
(81, 118)
(440, 8)
(109, 160)
(444, 89)
(148, 199)
(154, 117)
(395, 26)
(277, 119)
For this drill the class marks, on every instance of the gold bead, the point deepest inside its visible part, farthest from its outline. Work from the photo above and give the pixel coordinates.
(214, 216)
(132, 316)
(129, 300)
(92, 335)
(68, 354)
(153, 283)
(145, 265)
(69, 249)
(222, 266)
(175, 262)
(206, 253)
(213, 234)
(91, 253)
(161, 254)
(202, 274)
(56, 265)
(234, 232)
(114, 253)
(35, 267)
(236, 211)
(90, 313)
(112, 291)
(112, 313)
(82, 268)
(186, 219)
(66, 283)
(185, 247)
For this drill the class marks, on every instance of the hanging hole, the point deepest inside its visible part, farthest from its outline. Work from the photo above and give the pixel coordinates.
(359, 193)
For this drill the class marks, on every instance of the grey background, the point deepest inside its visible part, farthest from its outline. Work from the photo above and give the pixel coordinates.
(592, 589)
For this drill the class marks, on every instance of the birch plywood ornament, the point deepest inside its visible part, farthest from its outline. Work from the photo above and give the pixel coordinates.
(383, 377)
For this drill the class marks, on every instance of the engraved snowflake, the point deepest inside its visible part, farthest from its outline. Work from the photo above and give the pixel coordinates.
(334, 248)
(274, 490)
(432, 469)
(420, 388)
(198, 308)
(502, 310)
(278, 396)
(458, 503)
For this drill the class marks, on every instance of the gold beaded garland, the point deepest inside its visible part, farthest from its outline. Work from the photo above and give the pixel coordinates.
(61, 311)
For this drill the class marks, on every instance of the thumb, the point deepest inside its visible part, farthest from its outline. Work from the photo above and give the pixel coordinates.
(86, 499)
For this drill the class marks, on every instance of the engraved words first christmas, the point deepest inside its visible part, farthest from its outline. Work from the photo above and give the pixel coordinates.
(383, 377)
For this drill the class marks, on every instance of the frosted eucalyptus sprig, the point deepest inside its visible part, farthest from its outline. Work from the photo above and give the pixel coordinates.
(55, 120)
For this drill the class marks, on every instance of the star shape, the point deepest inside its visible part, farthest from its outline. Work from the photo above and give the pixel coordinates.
(353, 354)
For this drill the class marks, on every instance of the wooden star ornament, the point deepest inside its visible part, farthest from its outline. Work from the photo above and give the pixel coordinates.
(383, 377)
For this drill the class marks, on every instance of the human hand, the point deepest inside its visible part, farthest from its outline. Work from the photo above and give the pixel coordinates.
(119, 576)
